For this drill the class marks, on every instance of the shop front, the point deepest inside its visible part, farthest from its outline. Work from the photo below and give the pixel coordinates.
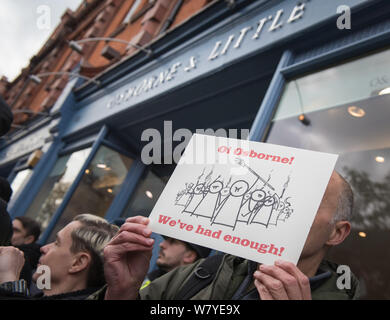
(21, 154)
(281, 72)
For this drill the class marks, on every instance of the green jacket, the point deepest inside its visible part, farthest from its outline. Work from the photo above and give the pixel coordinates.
(231, 274)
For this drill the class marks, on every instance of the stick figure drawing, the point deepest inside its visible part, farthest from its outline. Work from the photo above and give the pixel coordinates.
(243, 201)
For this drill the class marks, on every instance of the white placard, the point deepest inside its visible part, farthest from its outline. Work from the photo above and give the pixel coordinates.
(250, 199)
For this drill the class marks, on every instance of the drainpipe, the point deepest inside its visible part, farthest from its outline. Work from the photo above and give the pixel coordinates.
(171, 16)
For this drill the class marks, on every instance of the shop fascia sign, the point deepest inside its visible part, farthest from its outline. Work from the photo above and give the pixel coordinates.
(270, 23)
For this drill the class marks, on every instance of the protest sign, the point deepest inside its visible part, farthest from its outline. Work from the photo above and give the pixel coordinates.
(250, 199)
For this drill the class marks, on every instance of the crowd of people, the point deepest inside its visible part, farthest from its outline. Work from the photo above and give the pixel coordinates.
(94, 259)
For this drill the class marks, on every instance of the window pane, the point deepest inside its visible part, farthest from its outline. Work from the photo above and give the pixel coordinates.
(352, 81)
(361, 136)
(99, 185)
(19, 182)
(148, 191)
(56, 185)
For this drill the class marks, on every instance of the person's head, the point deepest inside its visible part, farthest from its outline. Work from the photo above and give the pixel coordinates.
(5, 225)
(5, 190)
(174, 253)
(332, 222)
(6, 117)
(25, 231)
(75, 258)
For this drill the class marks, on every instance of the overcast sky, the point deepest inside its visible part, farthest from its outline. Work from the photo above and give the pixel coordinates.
(25, 25)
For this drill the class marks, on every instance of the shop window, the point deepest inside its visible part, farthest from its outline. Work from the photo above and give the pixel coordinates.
(352, 81)
(346, 112)
(56, 185)
(148, 190)
(20, 181)
(98, 187)
(24, 169)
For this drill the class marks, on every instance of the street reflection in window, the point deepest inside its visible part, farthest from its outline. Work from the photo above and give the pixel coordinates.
(98, 187)
(148, 190)
(19, 182)
(55, 186)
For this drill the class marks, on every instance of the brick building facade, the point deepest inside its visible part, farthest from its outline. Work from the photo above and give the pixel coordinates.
(135, 21)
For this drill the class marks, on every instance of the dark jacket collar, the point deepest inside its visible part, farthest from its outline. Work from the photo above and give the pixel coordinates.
(156, 274)
(75, 295)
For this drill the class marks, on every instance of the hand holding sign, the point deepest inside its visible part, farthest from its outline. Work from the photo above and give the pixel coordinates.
(127, 258)
(282, 281)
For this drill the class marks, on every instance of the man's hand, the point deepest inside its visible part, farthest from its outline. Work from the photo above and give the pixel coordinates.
(11, 263)
(126, 259)
(283, 281)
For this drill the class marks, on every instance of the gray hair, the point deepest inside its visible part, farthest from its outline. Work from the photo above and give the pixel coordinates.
(345, 202)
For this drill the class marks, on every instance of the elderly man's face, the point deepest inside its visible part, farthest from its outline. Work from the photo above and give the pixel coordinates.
(322, 227)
